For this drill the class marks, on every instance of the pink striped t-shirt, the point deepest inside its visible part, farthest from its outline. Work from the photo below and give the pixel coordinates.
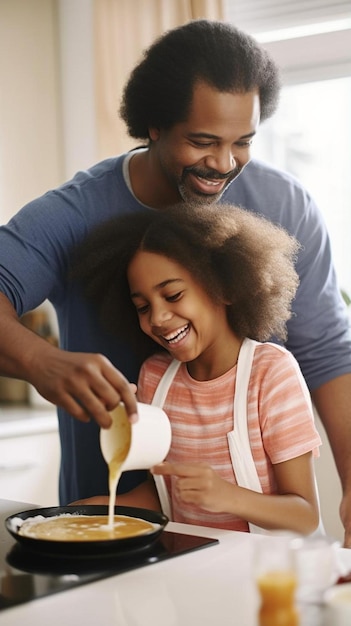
(280, 422)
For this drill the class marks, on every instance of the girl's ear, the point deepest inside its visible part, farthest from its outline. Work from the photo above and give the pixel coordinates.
(224, 301)
(154, 134)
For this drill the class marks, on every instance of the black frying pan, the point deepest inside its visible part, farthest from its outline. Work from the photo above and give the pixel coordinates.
(88, 548)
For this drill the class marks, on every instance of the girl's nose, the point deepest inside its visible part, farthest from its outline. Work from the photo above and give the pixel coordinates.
(159, 316)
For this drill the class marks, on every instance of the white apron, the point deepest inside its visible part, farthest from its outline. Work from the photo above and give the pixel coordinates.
(238, 439)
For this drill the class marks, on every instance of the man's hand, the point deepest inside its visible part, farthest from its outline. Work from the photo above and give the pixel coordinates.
(86, 385)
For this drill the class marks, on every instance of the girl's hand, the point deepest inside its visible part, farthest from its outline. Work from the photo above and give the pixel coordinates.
(199, 484)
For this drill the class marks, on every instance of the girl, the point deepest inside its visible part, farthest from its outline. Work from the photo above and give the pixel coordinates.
(200, 288)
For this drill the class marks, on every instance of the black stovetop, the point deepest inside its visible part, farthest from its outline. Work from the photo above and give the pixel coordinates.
(26, 575)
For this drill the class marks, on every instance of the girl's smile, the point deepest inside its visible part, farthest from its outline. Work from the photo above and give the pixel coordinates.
(175, 337)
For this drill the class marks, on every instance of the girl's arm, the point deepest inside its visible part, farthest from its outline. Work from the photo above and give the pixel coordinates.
(294, 507)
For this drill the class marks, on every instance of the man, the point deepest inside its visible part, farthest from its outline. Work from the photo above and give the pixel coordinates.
(196, 99)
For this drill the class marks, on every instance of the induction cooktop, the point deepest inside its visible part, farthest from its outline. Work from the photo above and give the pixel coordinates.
(26, 575)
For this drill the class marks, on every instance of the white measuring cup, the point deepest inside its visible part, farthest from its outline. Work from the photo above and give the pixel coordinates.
(139, 445)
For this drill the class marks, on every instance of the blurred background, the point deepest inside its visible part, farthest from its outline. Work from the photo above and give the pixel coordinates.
(63, 65)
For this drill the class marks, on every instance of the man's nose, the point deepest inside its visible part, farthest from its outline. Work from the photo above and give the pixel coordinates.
(222, 160)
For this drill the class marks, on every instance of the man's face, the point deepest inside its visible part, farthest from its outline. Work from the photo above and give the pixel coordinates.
(197, 159)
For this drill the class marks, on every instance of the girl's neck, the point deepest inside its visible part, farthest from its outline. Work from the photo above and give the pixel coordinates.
(216, 361)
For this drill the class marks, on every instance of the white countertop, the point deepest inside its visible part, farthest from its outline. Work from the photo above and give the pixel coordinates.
(211, 586)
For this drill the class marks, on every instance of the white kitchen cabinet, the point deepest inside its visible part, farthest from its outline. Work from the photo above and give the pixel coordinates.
(29, 456)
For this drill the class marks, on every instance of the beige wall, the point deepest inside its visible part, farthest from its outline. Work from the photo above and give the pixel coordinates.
(30, 138)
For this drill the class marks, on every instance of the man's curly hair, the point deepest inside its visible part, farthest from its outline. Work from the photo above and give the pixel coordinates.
(237, 257)
(160, 88)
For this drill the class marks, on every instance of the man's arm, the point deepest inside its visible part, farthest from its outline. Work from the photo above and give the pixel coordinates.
(333, 403)
(85, 385)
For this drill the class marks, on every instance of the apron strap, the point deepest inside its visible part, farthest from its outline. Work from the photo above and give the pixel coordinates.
(238, 439)
(159, 400)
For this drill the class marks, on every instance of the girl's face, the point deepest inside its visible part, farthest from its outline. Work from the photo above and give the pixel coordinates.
(174, 310)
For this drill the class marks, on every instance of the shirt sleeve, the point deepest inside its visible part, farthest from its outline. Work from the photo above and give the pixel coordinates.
(143, 394)
(285, 409)
(150, 375)
(35, 248)
(319, 329)
(37, 243)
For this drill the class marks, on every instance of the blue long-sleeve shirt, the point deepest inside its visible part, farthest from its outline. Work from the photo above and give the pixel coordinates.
(35, 251)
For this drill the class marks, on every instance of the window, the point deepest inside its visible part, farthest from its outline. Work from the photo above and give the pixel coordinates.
(270, 20)
(310, 135)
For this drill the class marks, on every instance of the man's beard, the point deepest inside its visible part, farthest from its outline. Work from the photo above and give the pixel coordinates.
(194, 195)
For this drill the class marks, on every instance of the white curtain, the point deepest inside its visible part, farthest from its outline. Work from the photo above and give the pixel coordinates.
(122, 30)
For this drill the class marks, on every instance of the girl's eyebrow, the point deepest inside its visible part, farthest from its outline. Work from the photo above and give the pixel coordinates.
(169, 281)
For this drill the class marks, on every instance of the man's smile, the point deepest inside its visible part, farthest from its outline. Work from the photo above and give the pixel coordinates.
(210, 182)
